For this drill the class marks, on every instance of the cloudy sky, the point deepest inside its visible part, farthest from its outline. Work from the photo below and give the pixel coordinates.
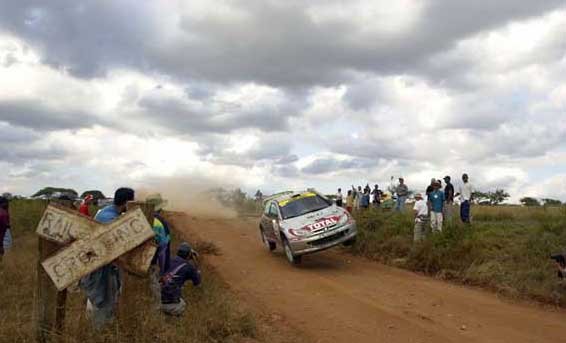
(283, 94)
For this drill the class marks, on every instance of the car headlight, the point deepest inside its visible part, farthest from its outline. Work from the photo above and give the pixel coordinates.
(345, 219)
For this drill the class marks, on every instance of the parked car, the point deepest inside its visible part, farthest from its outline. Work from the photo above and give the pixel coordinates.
(304, 223)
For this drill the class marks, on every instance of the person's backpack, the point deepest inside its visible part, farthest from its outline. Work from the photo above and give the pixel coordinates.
(169, 276)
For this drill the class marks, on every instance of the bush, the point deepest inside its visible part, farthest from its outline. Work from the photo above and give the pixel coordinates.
(506, 248)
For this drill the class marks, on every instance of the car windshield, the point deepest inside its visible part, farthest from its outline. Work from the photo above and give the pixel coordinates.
(302, 205)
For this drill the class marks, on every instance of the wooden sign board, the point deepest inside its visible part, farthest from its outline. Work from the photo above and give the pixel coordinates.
(105, 244)
(63, 225)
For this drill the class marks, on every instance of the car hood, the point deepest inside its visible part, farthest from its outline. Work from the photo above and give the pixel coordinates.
(328, 213)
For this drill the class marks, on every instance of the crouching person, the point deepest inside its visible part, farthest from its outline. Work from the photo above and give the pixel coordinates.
(183, 267)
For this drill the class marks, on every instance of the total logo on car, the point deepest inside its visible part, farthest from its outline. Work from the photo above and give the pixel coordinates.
(303, 223)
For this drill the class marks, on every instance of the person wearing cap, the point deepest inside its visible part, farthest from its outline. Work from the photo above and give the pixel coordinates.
(436, 200)
(4, 223)
(103, 286)
(465, 192)
(161, 260)
(402, 192)
(448, 197)
(421, 215)
(83, 209)
(183, 268)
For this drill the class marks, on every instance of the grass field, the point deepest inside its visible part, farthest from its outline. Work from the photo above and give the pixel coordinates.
(212, 314)
(506, 248)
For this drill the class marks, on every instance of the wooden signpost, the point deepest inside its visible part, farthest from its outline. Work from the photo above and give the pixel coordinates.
(72, 246)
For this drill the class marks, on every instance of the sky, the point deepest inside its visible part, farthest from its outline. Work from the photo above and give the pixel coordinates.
(278, 95)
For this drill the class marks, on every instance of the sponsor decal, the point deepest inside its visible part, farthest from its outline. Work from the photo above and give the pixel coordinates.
(323, 223)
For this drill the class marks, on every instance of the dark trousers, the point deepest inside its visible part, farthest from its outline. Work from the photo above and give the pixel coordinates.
(339, 202)
(2, 233)
(465, 211)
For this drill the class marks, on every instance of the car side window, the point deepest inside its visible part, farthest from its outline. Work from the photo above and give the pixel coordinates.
(267, 209)
(273, 210)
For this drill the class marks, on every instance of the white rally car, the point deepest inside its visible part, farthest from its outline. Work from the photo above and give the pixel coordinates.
(304, 223)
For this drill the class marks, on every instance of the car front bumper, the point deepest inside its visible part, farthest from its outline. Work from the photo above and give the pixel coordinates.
(324, 240)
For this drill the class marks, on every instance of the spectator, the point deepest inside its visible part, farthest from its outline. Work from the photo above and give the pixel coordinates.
(465, 192)
(365, 199)
(402, 192)
(4, 223)
(430, 188)
(183, 268)
(421, 214)
(103, 286)
(349, 201)
(83, 209)
(376, 193)
(339, 197)
(436, 200)
(449, 197)
(161, 259)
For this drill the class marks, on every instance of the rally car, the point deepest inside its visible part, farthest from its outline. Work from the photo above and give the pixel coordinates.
(304, 223)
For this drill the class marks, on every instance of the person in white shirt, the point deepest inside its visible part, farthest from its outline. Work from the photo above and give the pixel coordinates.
(339, 198)
(421, 215)
(465, 191)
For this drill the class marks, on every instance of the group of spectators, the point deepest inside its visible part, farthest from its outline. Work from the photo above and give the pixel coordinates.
(104, 285)
(434, 207)
(439, 205)
(358, 198)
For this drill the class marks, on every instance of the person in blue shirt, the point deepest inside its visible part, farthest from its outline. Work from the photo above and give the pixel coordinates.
(103, 286)
(436, 199)
(183, 268)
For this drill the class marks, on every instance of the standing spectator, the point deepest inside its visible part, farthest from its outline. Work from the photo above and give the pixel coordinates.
(436, 200)
(448, 197)
(402, 192)
(339, 197)
(349, 201)
(430, 188)
(162, 258)
(421, 214)
(4, 223)
(376, 196)
(83, 209)
(465, 192)
(103, 285)
(365, 199)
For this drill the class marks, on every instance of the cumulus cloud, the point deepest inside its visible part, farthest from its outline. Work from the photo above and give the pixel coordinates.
(282, 94)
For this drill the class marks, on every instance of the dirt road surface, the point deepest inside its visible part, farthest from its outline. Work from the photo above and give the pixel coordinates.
(336, 297)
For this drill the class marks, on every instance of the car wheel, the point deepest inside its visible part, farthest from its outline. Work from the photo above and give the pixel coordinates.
(292, 258)
(269, 245)
(349, 242)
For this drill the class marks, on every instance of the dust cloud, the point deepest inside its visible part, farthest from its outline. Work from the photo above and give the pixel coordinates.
(189, 195)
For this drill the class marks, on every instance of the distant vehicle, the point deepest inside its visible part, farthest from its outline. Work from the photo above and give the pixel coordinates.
(303, 223)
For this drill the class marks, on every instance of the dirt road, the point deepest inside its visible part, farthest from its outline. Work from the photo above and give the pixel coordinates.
(335, 297)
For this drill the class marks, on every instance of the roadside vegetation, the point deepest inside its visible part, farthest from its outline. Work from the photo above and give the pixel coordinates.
(506, 249)
(212, 314)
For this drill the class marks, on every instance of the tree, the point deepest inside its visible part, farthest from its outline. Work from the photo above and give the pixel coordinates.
(491, 198)
(96, 195)
(497, 197)
(551, 202)
(50, 191)
(528, 201)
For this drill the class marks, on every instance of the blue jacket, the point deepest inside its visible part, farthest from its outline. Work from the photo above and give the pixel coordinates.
(102, 286)
(179, 272)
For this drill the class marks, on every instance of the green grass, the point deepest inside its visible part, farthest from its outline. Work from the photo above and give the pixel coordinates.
(506, 249)
(212, 314)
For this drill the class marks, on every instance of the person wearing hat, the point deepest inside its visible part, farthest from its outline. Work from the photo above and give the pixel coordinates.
(183, 268)
(161, 260)
(448, 197)
(421, 214)
(402, 192)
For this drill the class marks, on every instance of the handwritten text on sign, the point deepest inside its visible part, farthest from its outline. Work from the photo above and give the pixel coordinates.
(62, 225)
(106, 244)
